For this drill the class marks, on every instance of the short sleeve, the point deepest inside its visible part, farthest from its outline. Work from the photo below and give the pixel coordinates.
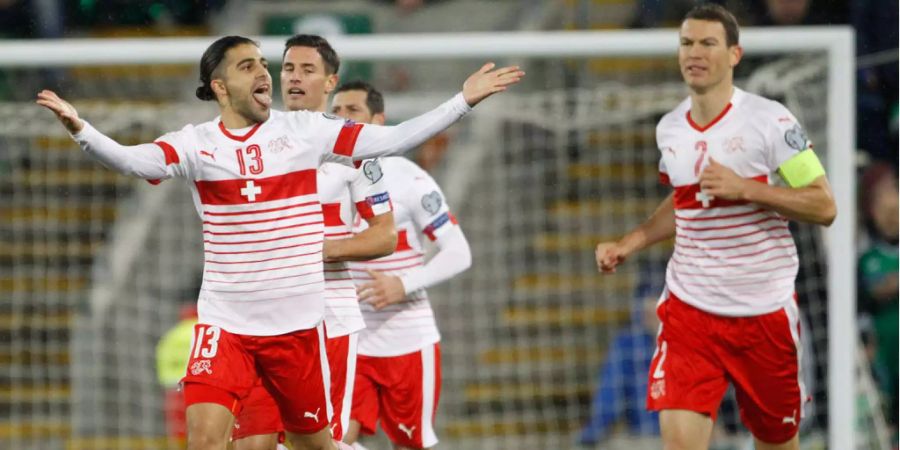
(785, 136)
(335, 138)
(430, 211)
(368, 190)
(664, 173)
(178, 148)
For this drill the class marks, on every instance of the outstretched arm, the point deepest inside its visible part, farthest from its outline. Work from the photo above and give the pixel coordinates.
(146, 161)
(362, 142)
(659, 227)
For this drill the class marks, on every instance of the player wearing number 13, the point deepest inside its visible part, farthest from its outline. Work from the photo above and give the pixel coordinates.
(740, 167)
(252, 173)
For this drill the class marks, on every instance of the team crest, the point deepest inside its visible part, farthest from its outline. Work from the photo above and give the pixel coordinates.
(372, 170)
(203, 365)
(796, 138)
(735, 144)
(432, 202)
(658, 389)
(280, 144)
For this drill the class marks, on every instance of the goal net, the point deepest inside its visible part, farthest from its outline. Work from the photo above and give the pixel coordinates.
(97, 267)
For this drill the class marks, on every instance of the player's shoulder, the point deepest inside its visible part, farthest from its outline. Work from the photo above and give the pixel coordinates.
(675, 116)
(403, 170)
(758, 107)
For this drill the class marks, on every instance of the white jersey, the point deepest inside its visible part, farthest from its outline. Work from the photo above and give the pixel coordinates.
(256, 194)
(419, 211)
(731, 258)
(342, 190)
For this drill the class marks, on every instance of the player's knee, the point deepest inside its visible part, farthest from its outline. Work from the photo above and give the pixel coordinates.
(204, 440)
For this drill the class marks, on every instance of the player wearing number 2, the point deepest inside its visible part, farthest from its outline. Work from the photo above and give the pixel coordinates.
(252, 174)
(741, 167)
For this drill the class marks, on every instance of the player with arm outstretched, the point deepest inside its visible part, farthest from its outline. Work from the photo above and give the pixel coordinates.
(252, 173)
(398, 369)
(740, 166)
(308, 75)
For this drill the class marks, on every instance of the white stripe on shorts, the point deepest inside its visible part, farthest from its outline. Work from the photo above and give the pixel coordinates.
(429, 438)
(793, 315)
(353, 338)
(326, 371)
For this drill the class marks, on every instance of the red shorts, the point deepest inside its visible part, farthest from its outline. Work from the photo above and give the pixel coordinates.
(698, 354)
(224, 367)
(259, 412)
(403, 392)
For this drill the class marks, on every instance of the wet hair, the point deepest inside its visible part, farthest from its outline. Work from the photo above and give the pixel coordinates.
(211, 60)
(717, 13)
(329, 56)
(374, 99)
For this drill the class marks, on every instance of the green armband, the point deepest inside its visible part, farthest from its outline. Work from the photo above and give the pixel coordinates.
(802, 169)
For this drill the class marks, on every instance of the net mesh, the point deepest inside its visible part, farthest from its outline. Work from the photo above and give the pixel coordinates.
(96, 267)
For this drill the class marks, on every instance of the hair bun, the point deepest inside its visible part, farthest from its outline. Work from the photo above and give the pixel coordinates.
(205, 93)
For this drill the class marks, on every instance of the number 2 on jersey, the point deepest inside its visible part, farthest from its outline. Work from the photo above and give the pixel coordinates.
(254, 154)
(210, 347)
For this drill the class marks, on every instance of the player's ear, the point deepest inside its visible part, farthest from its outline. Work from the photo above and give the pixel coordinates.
(736, 53)
(378, 119)
(218, 87)
(331, 82)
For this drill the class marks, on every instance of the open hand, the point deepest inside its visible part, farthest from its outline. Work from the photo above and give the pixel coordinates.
(64, 110)
(488, 81)
(384, 290)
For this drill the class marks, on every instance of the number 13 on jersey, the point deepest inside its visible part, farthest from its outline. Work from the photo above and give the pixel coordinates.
(253, 155)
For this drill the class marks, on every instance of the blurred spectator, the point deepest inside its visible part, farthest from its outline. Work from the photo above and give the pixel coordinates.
(878, 277)
(876, 36)
(622, 382)
(172, 355)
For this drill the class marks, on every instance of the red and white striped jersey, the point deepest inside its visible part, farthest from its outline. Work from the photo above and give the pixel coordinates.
(419, 211)
(342, 190)
(255, 191)
(731, 258)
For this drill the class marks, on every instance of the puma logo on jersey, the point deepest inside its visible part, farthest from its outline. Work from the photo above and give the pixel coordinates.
(211, 154)
(310, 415)
(408, 431)
(790, 420)
(203, 365)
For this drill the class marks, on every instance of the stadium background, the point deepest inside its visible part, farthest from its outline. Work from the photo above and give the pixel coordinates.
(94, 267)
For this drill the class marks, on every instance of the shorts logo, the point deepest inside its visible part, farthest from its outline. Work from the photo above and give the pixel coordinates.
(203, 365)
(310, 415)
(408, 431)
(372, 170)
(658, 389)
(432, 202)
(790, 420)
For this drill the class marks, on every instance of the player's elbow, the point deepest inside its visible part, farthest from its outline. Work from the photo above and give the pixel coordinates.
(388, 242)
(465, 258)
(827, 214)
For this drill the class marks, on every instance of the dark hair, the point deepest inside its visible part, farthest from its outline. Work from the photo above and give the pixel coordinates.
(329, 56)
(374, 99)
(212, 58)
(717, 13)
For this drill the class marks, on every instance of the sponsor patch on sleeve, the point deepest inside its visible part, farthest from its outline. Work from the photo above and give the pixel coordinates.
(438, 225)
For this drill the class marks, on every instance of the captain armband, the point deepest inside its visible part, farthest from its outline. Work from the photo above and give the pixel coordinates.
(802, 169)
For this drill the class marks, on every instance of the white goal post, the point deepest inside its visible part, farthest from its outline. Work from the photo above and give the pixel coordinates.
(835, 41)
